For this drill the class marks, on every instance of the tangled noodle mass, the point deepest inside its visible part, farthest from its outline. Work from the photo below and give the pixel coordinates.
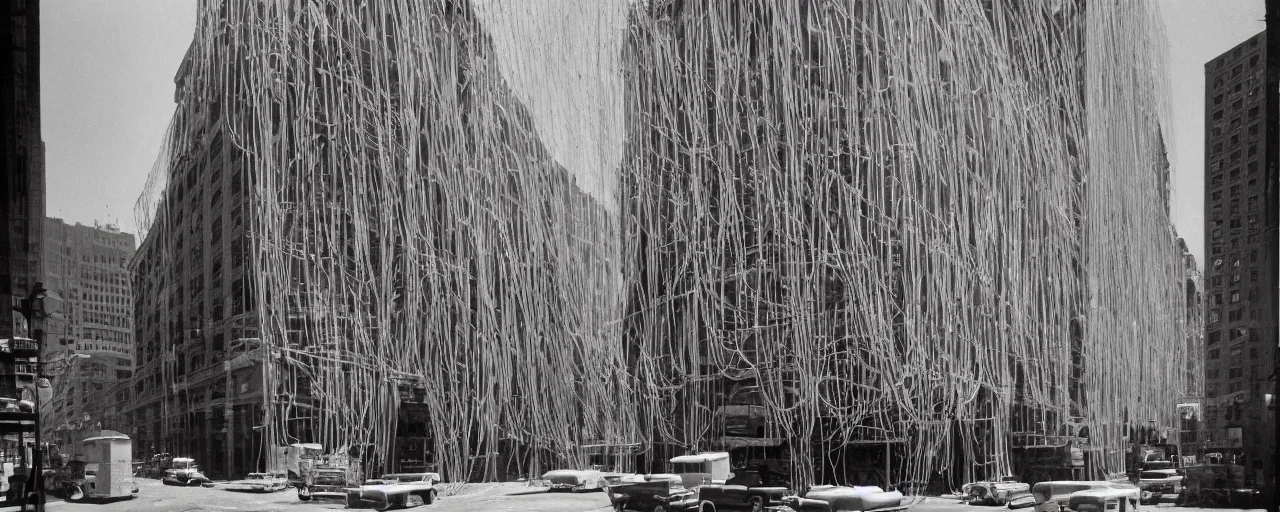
(936, 225)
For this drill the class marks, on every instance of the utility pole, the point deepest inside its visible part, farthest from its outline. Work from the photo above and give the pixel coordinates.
(1272, 238)
(36, 478)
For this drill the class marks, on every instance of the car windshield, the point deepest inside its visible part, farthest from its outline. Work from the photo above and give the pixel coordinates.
(687, 467)
(1154, 474)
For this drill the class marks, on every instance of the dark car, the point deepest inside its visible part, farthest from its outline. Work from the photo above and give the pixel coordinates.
(746, 490)
(661, 493)
(324, 483)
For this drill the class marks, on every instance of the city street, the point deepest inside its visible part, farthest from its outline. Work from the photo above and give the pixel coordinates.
(503, 497)
(941, 248)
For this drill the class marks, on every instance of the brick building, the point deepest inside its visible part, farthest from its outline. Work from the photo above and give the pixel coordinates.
(197, 390)
(1241, 319)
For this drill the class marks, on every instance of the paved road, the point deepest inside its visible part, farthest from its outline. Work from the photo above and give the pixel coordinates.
(156, 497)
(508, 497)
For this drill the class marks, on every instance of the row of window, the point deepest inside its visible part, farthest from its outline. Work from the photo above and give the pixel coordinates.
(1234, 352)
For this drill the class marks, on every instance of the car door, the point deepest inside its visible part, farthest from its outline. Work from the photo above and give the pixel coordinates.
(735, 490)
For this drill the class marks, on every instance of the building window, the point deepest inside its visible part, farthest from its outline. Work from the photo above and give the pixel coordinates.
(1214, 353)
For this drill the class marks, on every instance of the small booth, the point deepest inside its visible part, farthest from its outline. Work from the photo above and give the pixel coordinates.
(113, 452)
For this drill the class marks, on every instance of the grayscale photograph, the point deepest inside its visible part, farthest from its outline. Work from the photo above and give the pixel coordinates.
(640, 255)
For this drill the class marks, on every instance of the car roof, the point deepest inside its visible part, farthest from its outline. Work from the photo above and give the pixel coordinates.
(701, 457)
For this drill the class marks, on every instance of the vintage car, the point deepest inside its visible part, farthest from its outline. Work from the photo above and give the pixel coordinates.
(577, 480)
(995, 492)
(651, 493)
(1053, 496)
(1105, 500)
(324, 483)
(834, 498)
(1159, 484)
(185, 472)
(78, 481)
(259, 482)
(398, 490)
(701, 482)
(744, 490)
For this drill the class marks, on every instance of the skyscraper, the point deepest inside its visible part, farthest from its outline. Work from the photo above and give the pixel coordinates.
(1239, 311)
(87, 265)
(22, 167)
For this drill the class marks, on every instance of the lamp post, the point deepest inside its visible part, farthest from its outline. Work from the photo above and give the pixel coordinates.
(28, 310)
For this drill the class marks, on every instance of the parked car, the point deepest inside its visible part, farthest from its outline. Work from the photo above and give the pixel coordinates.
(75, 489)
(324, 483)
(577, 480)
(1053, 496)
(399, 490)
(1159, 484)
(701, 482)
(995, 492)
(652, 493)
(1104, 500)
(185, 472)
(833, 498)
(260, 482)
(744, 490)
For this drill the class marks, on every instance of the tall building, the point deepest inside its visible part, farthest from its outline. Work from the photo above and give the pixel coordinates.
(88, 266)
(196, 391)
(22, 166)
(1241, 317)
(928, 256)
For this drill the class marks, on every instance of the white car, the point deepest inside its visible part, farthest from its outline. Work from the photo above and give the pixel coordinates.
(398, 490)
(260, 482)
(578, 480)
(995, 492)
(1158, 484)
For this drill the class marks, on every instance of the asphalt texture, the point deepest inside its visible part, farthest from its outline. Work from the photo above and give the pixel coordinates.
(505, 497)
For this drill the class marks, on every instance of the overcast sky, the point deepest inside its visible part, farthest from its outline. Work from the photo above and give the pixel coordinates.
(107, 72)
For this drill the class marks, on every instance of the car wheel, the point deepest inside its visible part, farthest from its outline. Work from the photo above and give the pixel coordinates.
(756, 503)
(659, 508)
(76, 493)
(431, 497)
(707, 506)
